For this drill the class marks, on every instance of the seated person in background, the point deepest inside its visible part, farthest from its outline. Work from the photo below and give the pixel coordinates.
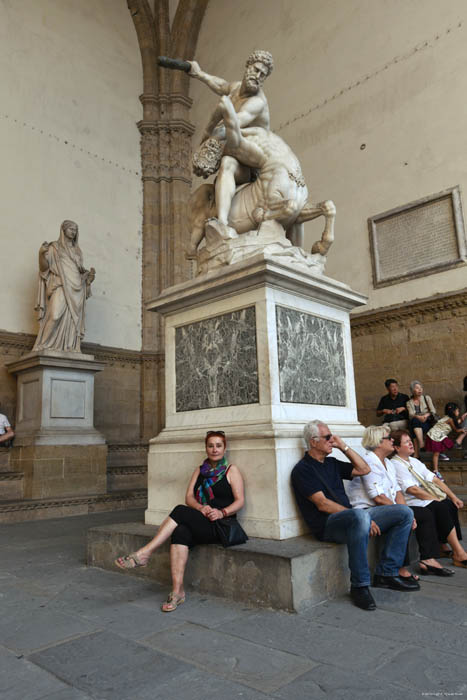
(6, 431)
(437, 438)
(380, 488)
(321, 498)
(392, 406)
(437, 517)
(421, 410)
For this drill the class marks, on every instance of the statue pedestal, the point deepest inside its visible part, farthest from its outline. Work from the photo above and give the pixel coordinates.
(256, 349)
(56, 444)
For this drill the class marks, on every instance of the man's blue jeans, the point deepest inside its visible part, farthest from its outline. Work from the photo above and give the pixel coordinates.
(352, 527)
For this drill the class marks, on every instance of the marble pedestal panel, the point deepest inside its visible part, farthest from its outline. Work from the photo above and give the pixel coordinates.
(257, 349)
(56, 444)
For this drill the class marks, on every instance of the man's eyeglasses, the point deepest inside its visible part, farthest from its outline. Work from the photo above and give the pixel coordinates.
(387, 437)
(324, 437)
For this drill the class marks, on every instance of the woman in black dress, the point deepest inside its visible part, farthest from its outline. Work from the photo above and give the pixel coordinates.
(215, 491)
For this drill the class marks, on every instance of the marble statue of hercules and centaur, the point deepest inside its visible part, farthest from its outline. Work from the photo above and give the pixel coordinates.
(279, 191)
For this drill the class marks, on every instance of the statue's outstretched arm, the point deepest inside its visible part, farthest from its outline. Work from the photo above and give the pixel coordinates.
(217, 85)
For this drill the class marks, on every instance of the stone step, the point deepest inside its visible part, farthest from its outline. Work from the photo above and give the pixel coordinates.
(127, 477)
(22, 510)
(11, 486)
(286, 575)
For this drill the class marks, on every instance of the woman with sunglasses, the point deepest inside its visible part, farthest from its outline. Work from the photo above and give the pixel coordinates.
(215, 491)
(379, 487)
(437, 515)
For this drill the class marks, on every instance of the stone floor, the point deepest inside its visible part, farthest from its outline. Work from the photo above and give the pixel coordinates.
(68, 632)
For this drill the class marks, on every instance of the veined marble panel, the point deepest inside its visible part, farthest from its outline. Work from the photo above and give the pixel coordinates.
(216, 362)
(311, 358)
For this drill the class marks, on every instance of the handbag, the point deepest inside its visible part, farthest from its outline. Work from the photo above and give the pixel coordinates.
(433, 489)
(230, 532)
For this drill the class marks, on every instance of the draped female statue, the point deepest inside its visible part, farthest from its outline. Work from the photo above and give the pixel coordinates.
(64, 286)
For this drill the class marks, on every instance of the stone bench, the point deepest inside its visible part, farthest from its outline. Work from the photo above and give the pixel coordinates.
(288, 575)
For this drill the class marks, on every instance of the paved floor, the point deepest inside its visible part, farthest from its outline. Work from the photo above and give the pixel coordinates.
(68, 632)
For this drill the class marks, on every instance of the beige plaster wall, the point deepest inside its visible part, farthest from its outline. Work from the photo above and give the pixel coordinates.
(71, 76)
(390, 75)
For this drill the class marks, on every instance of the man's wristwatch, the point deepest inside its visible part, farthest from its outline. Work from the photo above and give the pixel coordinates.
(346, 448)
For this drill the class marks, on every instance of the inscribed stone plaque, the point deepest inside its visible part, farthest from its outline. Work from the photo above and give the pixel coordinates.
(311, 359)
(418, 238)
(216, 362)
(67, 398)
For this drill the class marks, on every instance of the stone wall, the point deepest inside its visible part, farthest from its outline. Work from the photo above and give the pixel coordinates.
(368, 94)
(117, 409)
(424, 340)
(71, 76)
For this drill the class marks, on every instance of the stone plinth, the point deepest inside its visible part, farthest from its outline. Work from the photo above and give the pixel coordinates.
(287, 575)
(56, 444)
(257, 349)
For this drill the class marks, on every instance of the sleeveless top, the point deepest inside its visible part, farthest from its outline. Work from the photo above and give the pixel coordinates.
(222, 490)
(440, 430)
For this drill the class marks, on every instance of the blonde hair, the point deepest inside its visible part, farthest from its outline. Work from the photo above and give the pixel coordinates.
(373, 435)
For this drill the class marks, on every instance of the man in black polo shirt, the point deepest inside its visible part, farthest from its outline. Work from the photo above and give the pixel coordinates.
(319, 490)
(392, 406)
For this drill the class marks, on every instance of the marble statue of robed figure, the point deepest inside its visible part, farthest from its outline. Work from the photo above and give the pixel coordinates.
(64, 286)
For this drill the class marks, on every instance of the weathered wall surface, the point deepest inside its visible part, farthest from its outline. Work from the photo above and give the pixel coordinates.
(117, 389)
(370, 96)
(71, 76)
(424, 340)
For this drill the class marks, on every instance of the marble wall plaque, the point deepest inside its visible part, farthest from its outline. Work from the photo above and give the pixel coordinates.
(311, 358)
(216, 362)
(418, 238)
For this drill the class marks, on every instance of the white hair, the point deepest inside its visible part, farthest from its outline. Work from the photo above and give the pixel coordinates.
(311, 431)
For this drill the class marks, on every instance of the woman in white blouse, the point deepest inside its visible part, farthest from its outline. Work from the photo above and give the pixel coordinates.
(379, 487)
(437, 519)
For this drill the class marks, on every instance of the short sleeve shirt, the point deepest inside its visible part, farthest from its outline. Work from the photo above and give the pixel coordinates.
(4, 424)
(305, 483)
(387, 402)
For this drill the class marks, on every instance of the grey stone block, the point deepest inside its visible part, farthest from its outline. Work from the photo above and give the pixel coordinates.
(425, 670)
(28, 630)
(21, 680)
(107, 666)
(408, 628)
(329, 682)
(288, 574)
(255, 665)
(200, 685)
(321, 643)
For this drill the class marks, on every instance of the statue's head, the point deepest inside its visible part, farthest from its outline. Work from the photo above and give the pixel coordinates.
(207, 159)
(70, 230)
(258, 66)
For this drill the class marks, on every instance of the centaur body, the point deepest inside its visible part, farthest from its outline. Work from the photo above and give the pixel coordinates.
(279, 191)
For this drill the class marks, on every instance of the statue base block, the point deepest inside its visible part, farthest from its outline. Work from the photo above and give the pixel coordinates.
(256, 349)
(56, 444)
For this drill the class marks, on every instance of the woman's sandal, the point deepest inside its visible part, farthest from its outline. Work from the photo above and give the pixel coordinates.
(172, 603)
(131, 561)
(426, 569)
(460, 562)
(445, 554)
